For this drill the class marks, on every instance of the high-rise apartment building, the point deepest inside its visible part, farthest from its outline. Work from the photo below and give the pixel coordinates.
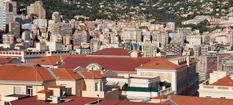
(148, 49)
(6, 13)
(14, 28)
(37, 9)
(8, 39)
(2, 17)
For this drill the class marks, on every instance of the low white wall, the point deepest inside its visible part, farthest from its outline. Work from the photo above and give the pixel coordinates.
(93, 94)
(139, 95)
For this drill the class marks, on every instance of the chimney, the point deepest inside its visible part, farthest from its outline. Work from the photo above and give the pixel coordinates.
(43, 95)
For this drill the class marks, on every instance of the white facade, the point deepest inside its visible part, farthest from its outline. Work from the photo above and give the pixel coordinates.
(41, 46)
(221, 89)
(161, 73)
(6, 15)
(216, 91)
(216, 75)
(55, 46)
(194, 40)
(2, 16)
(41, 23)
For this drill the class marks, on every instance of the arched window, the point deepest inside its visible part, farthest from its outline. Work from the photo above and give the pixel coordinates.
(94, 66)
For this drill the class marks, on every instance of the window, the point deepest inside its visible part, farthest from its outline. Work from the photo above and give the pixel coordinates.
(17, 90)
(68, 91)
(101, 86)
(96, 86)
(29, 90)
(6, 103)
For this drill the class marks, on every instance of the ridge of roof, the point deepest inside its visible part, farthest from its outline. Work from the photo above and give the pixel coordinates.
(65, 73)
(112, 51)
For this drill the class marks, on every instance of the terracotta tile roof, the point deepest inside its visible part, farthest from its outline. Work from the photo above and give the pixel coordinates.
(191, 100)
(159, 63)
(34, 101)
(113, 51)
(24, 73)
(225, 81)
(163, 63)
(56, 86)
(91, 74)
(79, 101)
(7, 60)
(120, 64)
(44, 91)
(52, 60)
(62, 73)
(49, 60)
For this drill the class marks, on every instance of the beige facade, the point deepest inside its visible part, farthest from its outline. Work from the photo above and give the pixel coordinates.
(148, 49)
(212, 91)
(76, 86)
(21, 88)
(37, 9)
(218, 86)
(178, 78)
(96, 88)
(93, 87)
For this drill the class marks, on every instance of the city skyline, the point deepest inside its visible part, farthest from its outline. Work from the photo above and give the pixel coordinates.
(84, 52)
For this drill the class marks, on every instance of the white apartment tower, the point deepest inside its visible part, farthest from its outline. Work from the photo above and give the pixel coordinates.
(6, 13)
(2, 15)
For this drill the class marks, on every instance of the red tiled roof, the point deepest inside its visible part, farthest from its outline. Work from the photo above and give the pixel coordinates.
(56, 86)
(79, 101)
(113, 51)
(4, 60)
(62, 73)
(163, 63)
(159, 63)
(44, 91)
(49, 60)
(225, 81)
(34, 101)
(24, 73)
(120, 64)
(92, 74)
(52, 60)
(191, 100)
(110, 63)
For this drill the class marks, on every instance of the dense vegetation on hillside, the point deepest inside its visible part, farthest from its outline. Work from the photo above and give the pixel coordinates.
(158, 10)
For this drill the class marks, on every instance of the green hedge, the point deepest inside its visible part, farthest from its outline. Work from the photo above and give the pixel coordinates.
(139, 89)
(166, 84)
